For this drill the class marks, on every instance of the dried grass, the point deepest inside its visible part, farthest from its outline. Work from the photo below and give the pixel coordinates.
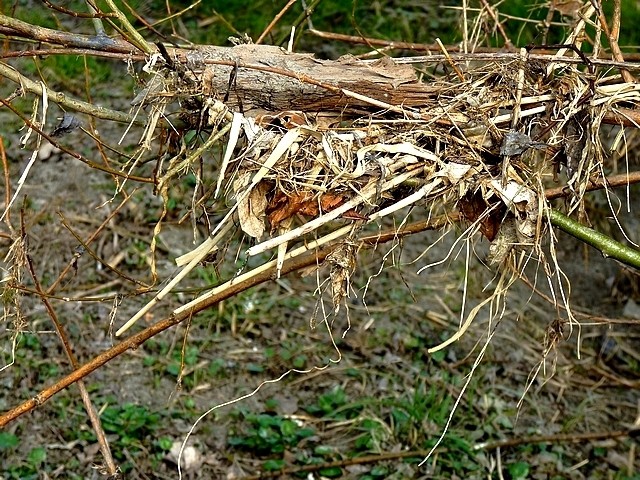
(485, 141)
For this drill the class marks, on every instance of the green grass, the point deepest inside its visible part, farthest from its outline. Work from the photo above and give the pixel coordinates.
(266, 434)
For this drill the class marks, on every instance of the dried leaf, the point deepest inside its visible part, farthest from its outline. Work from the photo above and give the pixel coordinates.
(284, 206)
(343, 264)
(288, 119)
(251, 209)
(473, 206)
(68, 123)
(516, 143)
(504, 242)
(455, 172)
(522, 202)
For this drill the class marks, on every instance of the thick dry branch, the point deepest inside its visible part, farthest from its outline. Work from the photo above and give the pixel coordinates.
(258, 78)
(247, 77)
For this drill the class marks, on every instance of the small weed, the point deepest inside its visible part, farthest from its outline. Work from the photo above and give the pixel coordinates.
(135, 426)
(190, 359)
(217, 368)
(131, 422)
(8, 441)
(287, 354)
(267, 434)
(29, 469)
(518, 470)
(373, 436)
(334, 404)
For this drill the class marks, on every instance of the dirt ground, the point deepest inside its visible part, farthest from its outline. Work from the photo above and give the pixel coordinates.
(369, 406)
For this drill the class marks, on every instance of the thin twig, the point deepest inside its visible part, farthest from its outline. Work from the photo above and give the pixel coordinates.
(620, 180)
(135, 39)
(275, 20)
(558, 438)
(301, 18)
(44, 52)
(99, 260)
(392, 44)
(7, 183)
(499, 26)
(69, 103)
(13, 26)
(510, 57)
(66, 344)
(54, 285)
(294, 264)
(73, 13)
(450, 60)
(613, 34)
(73, 153)
(381, 457)
(387, 456)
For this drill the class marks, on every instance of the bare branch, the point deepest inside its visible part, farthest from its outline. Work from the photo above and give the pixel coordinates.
(14, 27)
(292, 265)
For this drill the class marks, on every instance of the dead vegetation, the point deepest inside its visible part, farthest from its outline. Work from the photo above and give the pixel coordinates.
(309, 161)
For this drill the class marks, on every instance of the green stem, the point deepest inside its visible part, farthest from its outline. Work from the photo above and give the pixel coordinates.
(607, 245)
(65, 101)
(136, 39)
